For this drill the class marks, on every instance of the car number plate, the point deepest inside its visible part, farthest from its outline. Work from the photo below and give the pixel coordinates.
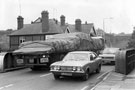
(31, 60)
(67, 74)
(42, 60)
(19, 61)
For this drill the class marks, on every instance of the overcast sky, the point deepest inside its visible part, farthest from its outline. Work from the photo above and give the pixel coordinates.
(118, 15)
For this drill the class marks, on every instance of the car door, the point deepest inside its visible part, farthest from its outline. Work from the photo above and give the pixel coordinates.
(91, 65)
(95, 61)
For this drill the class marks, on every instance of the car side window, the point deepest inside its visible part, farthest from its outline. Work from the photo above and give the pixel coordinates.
(91, 57)
(94, 56)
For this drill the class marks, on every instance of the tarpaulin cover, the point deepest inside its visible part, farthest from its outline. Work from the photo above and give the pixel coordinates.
(63, 43)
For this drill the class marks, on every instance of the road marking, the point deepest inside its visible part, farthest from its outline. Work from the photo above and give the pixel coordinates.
(6, 86)
(1, 88)
(102, 74)
(45, 75)
(106, 76)
(9, 85)
(93, 88)
(84, 87)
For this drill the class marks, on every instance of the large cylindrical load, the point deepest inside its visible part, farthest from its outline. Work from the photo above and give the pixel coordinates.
(62, 43)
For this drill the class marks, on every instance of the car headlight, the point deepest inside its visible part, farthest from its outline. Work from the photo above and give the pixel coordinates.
(74, 68)
(56, 67)
(79, 69)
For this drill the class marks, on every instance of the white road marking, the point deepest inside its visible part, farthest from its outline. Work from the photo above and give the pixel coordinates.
(106, 76)
(1, 88)
(102, 74)
(9, 85)
(45, 75)
(101, 81)
(6, 86)
(84, 87)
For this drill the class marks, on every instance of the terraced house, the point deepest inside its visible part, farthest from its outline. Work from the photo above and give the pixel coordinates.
(43, 28)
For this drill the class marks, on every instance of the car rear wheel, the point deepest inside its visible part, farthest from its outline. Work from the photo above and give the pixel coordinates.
(56, 76)
(86, 76)
(98, 69)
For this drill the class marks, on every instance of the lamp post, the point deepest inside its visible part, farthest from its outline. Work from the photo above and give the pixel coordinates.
(104, 22)
(104, 26)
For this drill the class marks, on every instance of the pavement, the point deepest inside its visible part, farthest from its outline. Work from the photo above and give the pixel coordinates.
(117, 81)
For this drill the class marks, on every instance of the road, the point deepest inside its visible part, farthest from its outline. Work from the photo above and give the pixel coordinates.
(25, 79)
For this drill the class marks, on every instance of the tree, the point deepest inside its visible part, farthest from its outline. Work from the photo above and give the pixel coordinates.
(131, 43)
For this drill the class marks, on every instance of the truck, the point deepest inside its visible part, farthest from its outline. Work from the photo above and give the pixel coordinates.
(40, 54)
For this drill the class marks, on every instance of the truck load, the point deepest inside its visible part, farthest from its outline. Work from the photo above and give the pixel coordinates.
(42, 53)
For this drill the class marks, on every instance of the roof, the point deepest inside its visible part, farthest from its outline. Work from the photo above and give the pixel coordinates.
(36, 28)
(85, 28)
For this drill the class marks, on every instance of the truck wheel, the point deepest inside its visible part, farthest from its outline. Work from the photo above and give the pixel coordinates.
(56, 76)
(86, 76)
(98, 69)
(35, 68)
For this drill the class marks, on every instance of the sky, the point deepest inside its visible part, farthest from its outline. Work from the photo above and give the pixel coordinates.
(117, 15)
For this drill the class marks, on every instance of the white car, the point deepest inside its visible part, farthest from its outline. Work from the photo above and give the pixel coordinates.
(77, 63)
(108, 55)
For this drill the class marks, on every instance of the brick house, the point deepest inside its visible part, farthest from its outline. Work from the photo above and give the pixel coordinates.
(42, 29)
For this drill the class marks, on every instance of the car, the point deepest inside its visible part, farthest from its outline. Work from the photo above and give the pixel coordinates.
(77, 64)
(108, 55)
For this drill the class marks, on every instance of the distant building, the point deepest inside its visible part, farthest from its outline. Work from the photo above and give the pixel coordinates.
(42, 29)
(79, 27)
(100, 32)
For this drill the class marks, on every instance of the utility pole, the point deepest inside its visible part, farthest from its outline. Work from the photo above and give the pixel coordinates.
(104, 26)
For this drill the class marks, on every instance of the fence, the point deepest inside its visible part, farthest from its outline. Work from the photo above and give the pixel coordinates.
(125, 61)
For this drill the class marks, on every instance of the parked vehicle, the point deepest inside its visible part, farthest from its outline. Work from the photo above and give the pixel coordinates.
(108, 55)
(37, 54)
(77, 63)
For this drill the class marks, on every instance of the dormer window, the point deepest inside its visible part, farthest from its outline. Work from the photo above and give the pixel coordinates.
(21, 39)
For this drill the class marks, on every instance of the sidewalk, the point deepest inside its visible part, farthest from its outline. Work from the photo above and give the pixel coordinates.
(117, 81)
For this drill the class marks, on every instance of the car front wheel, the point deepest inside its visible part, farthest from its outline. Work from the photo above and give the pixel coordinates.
(56, 76)
(98, 69)
(86, 76)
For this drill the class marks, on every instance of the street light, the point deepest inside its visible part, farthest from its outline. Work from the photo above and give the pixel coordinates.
(104, 26)
(104, 22)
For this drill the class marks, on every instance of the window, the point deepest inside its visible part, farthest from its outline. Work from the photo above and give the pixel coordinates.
(21, 39)
(94, 56)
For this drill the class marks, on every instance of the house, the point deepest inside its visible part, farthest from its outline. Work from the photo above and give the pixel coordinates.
(37, 30)
(43, 28)
(79, 27)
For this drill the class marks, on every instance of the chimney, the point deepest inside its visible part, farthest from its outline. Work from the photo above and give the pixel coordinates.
(78, 25)
(19, 22)
(45, 21)
(62, 19)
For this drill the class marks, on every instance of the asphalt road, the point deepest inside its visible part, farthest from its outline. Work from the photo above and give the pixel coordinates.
(25, 79)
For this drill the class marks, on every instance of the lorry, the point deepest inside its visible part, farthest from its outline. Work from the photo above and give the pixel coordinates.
(38, 54)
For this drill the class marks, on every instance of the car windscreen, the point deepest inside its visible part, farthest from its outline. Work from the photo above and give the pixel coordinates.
(110, 51)
(76, 57)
